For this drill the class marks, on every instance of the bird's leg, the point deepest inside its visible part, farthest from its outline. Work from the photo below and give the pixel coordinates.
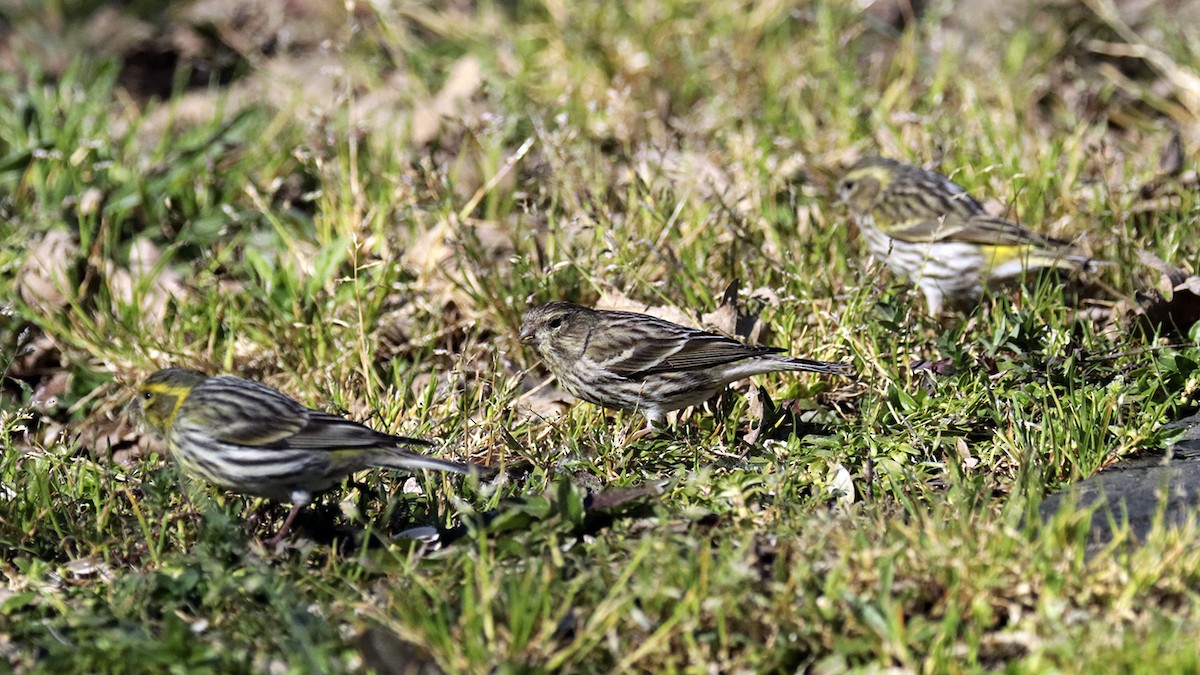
(287, 525)
(300, 499)
(653, 422)
(934, 299)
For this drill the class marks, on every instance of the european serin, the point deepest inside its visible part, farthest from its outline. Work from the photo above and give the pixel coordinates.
(637, 362)
(929, 230)
(249, 438)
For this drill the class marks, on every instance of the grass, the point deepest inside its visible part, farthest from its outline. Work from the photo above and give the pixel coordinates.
(357, 208)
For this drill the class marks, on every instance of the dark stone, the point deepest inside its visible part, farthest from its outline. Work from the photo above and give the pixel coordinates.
(1137, 491)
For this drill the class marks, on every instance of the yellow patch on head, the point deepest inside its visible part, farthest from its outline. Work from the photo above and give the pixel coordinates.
(160, 404)
(862, 184)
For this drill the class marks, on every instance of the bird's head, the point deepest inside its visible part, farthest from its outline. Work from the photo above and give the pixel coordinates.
(559, 328)
(161, 394)
(862, 183)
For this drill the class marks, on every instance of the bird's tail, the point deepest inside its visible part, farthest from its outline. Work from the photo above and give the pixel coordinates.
(1040, 258)
(813, 366)
(1091, 265)
(399, 458)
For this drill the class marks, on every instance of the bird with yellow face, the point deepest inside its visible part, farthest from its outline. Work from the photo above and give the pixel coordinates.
(928, 230)
(251, 439)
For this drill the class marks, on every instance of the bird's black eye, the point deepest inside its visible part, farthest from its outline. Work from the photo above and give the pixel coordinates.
(148, 396)
(847, 186)
(555, 323)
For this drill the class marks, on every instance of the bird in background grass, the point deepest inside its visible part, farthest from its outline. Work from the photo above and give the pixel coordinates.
(637, 362)
(930, 231)
(248, 438)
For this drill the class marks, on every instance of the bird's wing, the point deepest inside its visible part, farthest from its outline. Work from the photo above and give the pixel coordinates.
(919, 212)
(646, 346)
(982, 230)
(261, 431)
(921, 206)
(706, 350)
(246, 413)
(242, 412)
(328, 431)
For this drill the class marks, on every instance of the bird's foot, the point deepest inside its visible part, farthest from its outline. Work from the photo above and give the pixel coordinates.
(642, 433)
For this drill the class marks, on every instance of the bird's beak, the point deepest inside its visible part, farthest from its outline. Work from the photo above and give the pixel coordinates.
(525, 336)
(133, 408)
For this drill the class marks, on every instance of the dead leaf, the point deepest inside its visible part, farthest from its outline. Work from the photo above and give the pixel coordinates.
(44, 279)
(1170, 160)
(617, 301)
(940, 367)
(452, 253)
(543, 401)
(1171, 276)
(613, 497)
(724, 319)
(111, 428)
(466, 78)
(841, 485)
(127, 284)
(743, 322)
(1184, 81)
(1174, 305)
(90, 201)
(759, 409)
(1163, 192)
(385, 652)
(35, 358)
(685, 172)
(432, 251)
(46, 395)
(293, 26)
(894, 13)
